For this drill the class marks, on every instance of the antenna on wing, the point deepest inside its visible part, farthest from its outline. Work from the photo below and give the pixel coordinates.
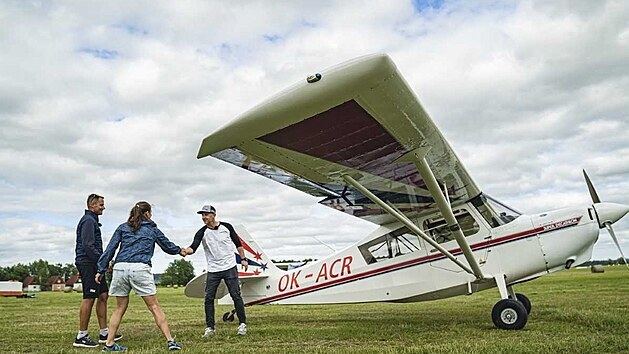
(325, 244)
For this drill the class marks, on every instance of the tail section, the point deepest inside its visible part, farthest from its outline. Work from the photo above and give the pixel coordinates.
(260, 265)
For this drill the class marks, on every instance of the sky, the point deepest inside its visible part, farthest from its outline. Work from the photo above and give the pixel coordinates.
(115, 97)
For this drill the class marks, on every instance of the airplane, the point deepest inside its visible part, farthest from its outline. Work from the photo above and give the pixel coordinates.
(356, 136)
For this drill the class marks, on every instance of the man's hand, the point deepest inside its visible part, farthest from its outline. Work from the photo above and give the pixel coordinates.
(189, 250)
(182, 252)
(245, 264)
(97, 278)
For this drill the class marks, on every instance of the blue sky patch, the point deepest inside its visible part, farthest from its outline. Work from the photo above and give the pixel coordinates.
(421, 5)
(117, 118)
(130, 28)
(273, 38)
(101, 53)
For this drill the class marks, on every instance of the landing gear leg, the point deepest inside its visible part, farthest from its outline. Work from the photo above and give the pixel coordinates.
(229, 316)
(523, 300)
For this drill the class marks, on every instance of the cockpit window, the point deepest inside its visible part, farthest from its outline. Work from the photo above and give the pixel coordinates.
(438, 230)
(494, 212)
(391, 245)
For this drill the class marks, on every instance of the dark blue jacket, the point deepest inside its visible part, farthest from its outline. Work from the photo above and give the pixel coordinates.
(136, 247)
(89, 243)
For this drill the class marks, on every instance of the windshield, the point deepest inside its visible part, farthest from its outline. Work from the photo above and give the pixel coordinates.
(494, 212)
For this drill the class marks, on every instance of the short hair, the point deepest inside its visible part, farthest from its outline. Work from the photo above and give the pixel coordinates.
(93, 198)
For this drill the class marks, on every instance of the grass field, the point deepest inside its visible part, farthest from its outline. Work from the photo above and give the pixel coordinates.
(573, 312)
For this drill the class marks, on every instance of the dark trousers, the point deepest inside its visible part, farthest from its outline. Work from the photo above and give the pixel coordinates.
(212, 281)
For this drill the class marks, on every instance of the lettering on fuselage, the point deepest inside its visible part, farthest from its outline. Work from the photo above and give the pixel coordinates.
(561, 224)
(337, 268)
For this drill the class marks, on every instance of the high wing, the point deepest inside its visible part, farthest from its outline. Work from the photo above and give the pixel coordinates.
(357, 120)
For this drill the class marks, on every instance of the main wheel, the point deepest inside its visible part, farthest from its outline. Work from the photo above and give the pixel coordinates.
(524, 300)
(509, 314)
(228, 317)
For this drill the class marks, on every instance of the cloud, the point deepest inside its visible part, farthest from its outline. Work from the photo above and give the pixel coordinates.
(115, 98)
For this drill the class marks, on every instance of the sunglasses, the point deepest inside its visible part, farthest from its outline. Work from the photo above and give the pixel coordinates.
(93, 197)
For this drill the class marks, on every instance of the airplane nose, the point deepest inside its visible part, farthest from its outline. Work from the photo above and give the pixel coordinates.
(610, 212)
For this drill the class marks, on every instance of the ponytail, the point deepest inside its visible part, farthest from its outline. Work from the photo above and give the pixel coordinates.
(136, 215)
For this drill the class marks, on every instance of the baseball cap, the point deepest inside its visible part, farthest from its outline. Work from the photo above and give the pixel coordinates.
(207, 209)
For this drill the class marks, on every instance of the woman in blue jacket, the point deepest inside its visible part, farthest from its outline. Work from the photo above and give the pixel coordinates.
(132, 270)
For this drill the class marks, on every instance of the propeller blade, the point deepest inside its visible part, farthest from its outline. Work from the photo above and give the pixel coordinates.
(593, 194)
(611, 232)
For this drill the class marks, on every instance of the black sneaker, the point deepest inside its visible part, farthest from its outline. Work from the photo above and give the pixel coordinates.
(103, 339)
(85, 342)
(114, 348)
(172, 345)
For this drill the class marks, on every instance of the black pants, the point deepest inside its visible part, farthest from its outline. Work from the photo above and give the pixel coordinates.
(212, 281)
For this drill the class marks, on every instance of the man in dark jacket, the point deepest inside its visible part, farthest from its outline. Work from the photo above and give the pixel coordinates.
(89, 247)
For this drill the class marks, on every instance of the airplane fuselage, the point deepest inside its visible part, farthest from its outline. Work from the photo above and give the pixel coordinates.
(523, 249)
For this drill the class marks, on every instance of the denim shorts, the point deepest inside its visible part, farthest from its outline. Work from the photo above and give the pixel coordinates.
(136, 276)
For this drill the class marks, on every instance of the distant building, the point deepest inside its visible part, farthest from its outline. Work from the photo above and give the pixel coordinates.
(56, 283)
(10, 288)
(74, 283)
(30, 285)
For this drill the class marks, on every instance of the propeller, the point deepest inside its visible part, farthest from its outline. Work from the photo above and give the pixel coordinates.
(607, 214)
(593, 194)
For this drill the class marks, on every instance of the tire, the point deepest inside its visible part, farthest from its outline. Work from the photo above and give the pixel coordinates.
(226, 316)
(525, 301)
(509, 314)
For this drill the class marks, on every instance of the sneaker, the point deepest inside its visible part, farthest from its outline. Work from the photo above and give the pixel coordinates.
(114, 348)
(242, 329)
(172, 345)
(85, 342)
(103, 339)
(208, 332)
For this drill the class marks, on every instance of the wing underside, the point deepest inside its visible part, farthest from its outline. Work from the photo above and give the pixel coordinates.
(357, 121)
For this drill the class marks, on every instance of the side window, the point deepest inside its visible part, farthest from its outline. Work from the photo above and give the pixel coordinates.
(437, 228)
(391, 245)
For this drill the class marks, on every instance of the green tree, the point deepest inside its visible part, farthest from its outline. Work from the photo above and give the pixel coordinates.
(179, 272)
(18, 272)
(40, 269)
(4, 273)
(55, 269)
(70, 270)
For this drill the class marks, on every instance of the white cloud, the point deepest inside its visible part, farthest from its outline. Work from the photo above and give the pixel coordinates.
(115, 98)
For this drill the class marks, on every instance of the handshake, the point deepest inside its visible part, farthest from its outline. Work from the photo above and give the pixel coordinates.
(186, 251)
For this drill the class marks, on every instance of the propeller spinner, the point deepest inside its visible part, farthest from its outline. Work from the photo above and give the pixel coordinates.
(607, 213)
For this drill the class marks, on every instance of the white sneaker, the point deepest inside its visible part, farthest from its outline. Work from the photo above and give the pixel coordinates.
(242, 329)
(208, 332)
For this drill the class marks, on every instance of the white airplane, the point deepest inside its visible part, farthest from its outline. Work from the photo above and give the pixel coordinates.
(357, 136)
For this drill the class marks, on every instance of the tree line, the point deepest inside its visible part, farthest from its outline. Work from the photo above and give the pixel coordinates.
(617, 261)
(178, 272)
(40, 269)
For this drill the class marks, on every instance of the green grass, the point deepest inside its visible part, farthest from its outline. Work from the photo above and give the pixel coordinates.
(573, 312)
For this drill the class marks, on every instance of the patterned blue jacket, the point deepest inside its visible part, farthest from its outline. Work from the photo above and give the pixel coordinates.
(136, 247)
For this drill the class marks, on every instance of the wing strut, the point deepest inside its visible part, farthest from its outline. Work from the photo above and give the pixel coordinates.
(417, 156)
(404, 220)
